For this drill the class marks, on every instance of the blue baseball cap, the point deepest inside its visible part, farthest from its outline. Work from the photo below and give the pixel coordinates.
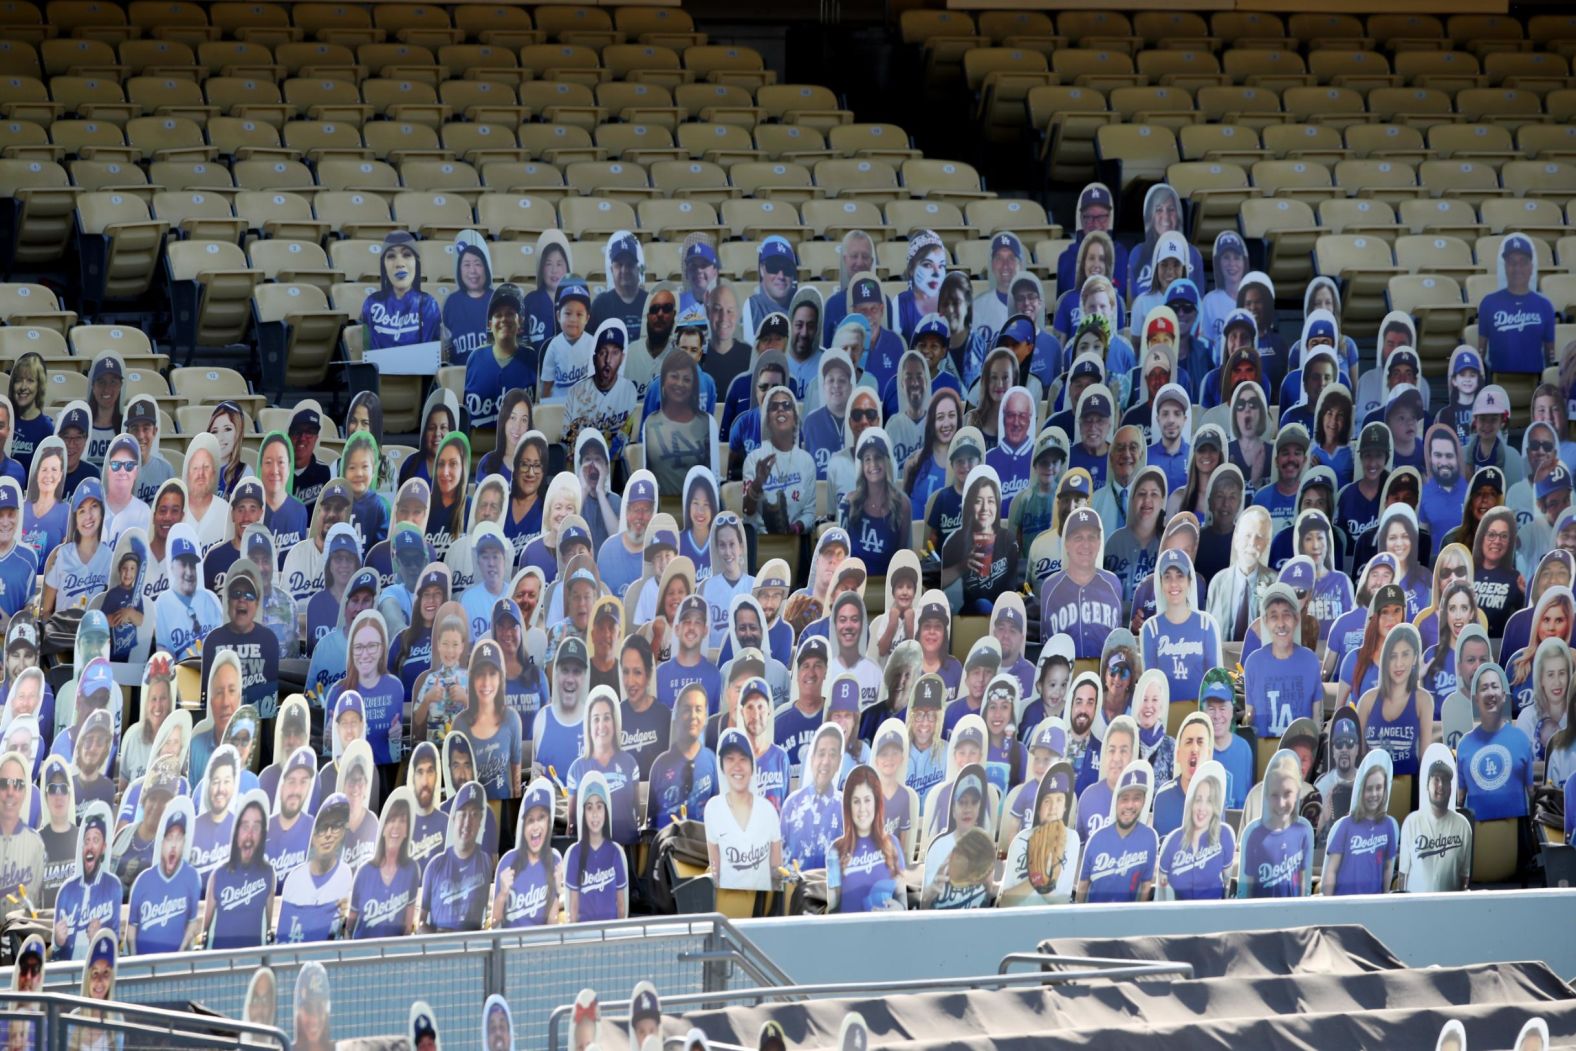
(181, 547)
(931, 325)
(700, 252)
(1218, 688)
(734, 740)
(1320, 328)
(1095, 405)
(694, 604)
(492, 538)
(1465, 358)
(1018, 329)
(10, 497)
(845, 696)
(575, 289)
(349, 701)
(1134, 777)
(409, 541)
(1094, 193)
(1558, 480)
(336, 489)
(88, 489)
(970, 734)
(538, 795)
(892, 738)
(300, 759)
(1052, 737)
(1010, 615)
(776, 247)
(176, 819)
(1230, 241)
(505, 609)
(1182, 291)
(247, 489)
(641, 490)
(1174, 558)
(835, 535)
(363, 579)
(582, 575)
(124, 443)
(626, 245)
(258, 542)
(1008, 241)
(1298, 574)
(1076, 483)
(1516, 243)
(74, 418)
(662, 539)
(342, 541)
(613, 334)
(574, 534)
(469, 795)
(1087, 367)
(865, 290)
(306, 421)
(1083, 518)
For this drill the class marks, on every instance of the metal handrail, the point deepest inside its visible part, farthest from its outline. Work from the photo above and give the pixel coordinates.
(1131, 968)
(1094, 968)
(176, 1027)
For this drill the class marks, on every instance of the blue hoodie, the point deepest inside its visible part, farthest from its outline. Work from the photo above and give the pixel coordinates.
(465, 315)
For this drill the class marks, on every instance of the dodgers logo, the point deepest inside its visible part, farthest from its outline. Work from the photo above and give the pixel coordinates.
(1491, 767)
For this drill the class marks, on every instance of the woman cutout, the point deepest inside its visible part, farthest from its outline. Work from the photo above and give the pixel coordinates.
(227, 424)
(595, 871)
(864, 869)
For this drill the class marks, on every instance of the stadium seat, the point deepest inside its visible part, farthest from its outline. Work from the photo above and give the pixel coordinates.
(1436, 253)
(1271, 67)
(595, 216)
(1549, 141)
(562, 102)
(405, 101)
(1250, 107)
(558, 144)
(499, 25)
(565, 63)
(1163, 106)
(120, 244)
(1131, 157)
(693, 180)
(1541, 178)
(35, 221)
(812, 105)
(272, 175)
(872, 179)
(789, 142)
(1392, 141)
(719, 104)
(47, 343)
(645, 64)
(542, 180)
(87, 176)
(1360, 70)
(301, 262)
(398, 142)
(1213, 193)
(1174, 66)
(721, 64)
(1305, 180)
(24, 303)
(1435, 303)
(1399, 32)
(169, 97)
(211, 287)
(1443, 215)
(1027, 219)
(886, 141)
(1385, 180)
(1363, 267)
(722, 144)
(169, 138)
(1288, 230)
(200, 215)
(640, 104)
(943, 218)
(556, 21)
(832, 219)
(1415, 107)
(136, 350)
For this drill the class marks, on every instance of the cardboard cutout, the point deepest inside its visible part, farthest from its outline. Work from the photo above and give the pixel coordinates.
(311, 1009)
(1277, 849)
(1196, 860)
(497, 1024)
(1042, 860)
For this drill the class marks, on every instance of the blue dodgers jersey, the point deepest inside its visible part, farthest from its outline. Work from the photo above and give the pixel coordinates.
(1516, 328)
(486, 381)
(673, 677)
(1365, 847)
(1118, 866)
(668, 782)
(1198, 873)
(161, 908)
(644, 735)
(1496, 771)
(397, 321)
(1087, 612)
(80, 904)
(821, 436)
(380, 907)
(1183, 651)
(240, 914)
(599, 875)
(454, 891)
(1276, 864)
(525, 901)
(285, 849)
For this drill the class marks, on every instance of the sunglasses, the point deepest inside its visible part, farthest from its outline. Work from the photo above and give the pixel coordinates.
(1541, 447)
(126, 466)
(58, 788)
(14, 784)
(660, 308)
(779, 406)
(863, 414)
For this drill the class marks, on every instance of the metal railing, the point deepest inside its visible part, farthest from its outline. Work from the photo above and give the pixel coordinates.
(1079, 969)
(55, 1021)
(373, 981)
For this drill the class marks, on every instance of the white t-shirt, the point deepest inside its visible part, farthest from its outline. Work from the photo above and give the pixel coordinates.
(214, 526)
(605, 411)
(744, 854)
(135, 515)
(867, 671)
(1016, 874)
(565, 364)
(793, 476)
(1435, 855)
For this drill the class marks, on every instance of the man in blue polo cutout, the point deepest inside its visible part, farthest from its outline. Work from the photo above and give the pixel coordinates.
(454, 886)
(1516, 323)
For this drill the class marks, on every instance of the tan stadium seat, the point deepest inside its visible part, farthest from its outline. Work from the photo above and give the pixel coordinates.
(320, 141)
(23, 304)
(282, 215)
(191, 175)
(886, 141)
(1442, 215)
(406, 101)
(1387, 180)
(135, 350)
(476, 143)
(433, 215)
(239, 58)
(638, 23)
(272, 174)
(16, 340)
(1176, 29)
(809, 104)
(357, 214)
(1507, 106)
(1067, 118)
(92, 98)
(327, 99)
(980, 63)
(399, 142)
(1166, 106)
(483, 101)
(1288, 229)
(1535, 71)
(541, 180)
(360, 259)
(755, 220)
(874, 179)
(345, 173)
(120, 242)
(93, 140)
(619, 180)
(238, 138)
(452, 177)
(943, 180)
(724, 144)
(1436, 253)
(81, 57)
(416, 22)
(640, 103)
(211, 284)
(1486, 32)
(832, 219)
(1359, 215)
(1230, 143)
(1358, 70)
(1468, 141)
(1251, 107)
(1095, 68)
(515, 216)
(1025, 218)
(1392, 141)
(1213, 192)
(783, 181)
(595, 216)
(673, 220)
(169, 138)
(557, 20)
(790, 142)
(1305, 180)
(244, 19)
(501, 25)
(516, 261)
(1393, 32)
(1138, 154)
(999, 25)
(565, 63)
(303, 262)
(916, 25)
(1447, 71)
(1435, 304)
(198, 214)
(1266, 67)
(26, 141)
(169, 97)
(1328, 30)
(819, 261)
(1531, 215)
(726, 64)
(559, 143)
(1325, 105)
(1008, 78)
(944, 218)
(1553, 32)
(1320, 143)
(1560, 289)
(1416, 107)
(645, 64)
(1248, 29)
(1475, 181)
(1363, 267)
(209, 385)
(719, 104)
(943, 38)
(296, 322)
(739, 260)
(1108, 29)
(692, 180)
(1181, 68)
(45, 207)
(437, 265)
(562, 102)
(27, 98)
(1549, 141)
(335, 23)
(1542, 178)
(637, 143)
(89, 176)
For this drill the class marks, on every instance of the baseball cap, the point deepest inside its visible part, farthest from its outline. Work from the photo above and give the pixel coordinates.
(1182, 291)
(1558, 480)
(700, 254)
(1018, 329)
(1491, 401)
(970, 733)
(931, 325)
(410, 542)
(1171, 245)
(987, 655)
(1319, 328)
(611, 333)
(641, 490)
(1096, 404)
(10, 497)
(1279, 592)
(335, 491)
(505, 609)
(488, 652)
(1008, 241)
(573, 289)
(1516, 243)
(734, 740)
(108, 365)
(813, 647)
(836, 535)
(624, 245)
(1136, 776)
(1160, 326)
(538, 795)
(1490, 477)
(141, 410)
(845, 695)
(1389, 595)
(1095, 194)
(470, 795)
(772, 326)
(1297, 573)
(1463, 358)
(75, 417)
(1217, 687)
(645, 1007)
(889, 739)
(306, 421)
(930, 693)
(1174, 558)
(1082, 518)
(571, 649)
(335, 810)
(694, 604)
(662, 539)
(864, 290)
(1088, 365)
(776, 247)
(967, 441)
(1010, 616)
(240, 586)
(772, 575)
(490, 538)
(1050, 736)
(1376, 437)
(183, 547)
(247, 489)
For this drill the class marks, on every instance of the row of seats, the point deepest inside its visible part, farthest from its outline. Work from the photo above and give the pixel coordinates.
(723, 64)
(1535, 71)
(356, 103)
(1115, 30)
(425, 24)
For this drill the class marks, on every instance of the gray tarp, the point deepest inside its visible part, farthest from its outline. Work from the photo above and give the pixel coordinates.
(1341, 949)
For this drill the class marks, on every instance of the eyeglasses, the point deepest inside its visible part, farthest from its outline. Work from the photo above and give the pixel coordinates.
(660, 308)
(863, 414)
(58, 788)
(531, 467)
(779, 406)
(126, 466)
(1459, 571)
(366, 649)
(775, 268)
(13, 784)
(1541, 447)
(764, 387)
